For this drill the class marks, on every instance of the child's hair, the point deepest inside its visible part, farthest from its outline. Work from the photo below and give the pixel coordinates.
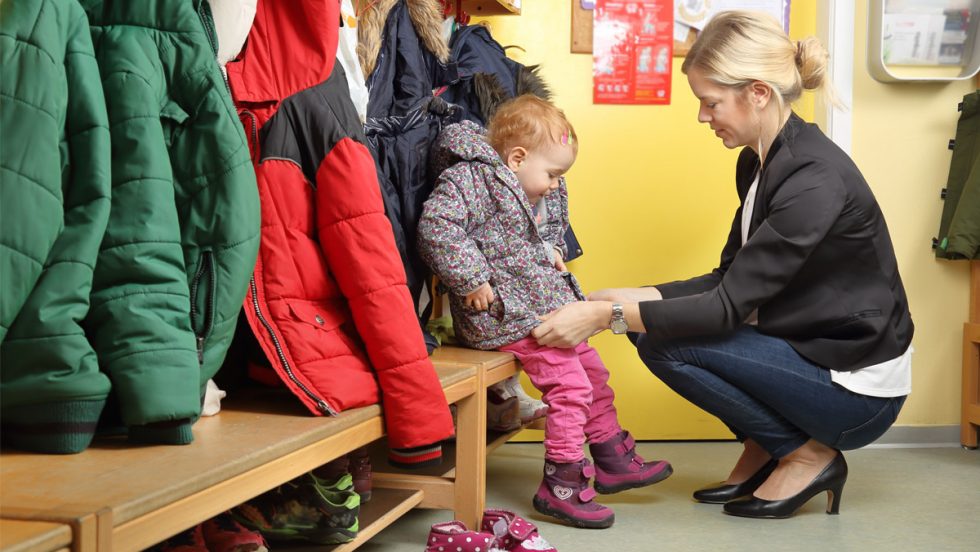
(738, 47)
(529, 122)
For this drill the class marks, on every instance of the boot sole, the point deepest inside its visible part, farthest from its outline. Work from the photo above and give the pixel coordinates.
(542, 507)
(602, 489)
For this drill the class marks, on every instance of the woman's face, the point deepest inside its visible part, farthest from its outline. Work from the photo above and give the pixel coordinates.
(726, 110)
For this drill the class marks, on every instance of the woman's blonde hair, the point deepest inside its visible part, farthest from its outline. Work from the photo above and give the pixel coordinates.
(530, 122)
(739, 47)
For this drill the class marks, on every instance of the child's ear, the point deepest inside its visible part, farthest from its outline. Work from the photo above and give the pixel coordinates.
(516, 157)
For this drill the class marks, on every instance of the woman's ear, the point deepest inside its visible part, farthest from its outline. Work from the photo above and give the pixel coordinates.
(759, 94)
(515, 158)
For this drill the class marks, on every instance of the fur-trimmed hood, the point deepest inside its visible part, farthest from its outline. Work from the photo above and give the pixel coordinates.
(426, 17)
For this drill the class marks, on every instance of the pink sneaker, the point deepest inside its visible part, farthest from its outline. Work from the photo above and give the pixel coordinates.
(453, 536)
(565, 494)
(619, 467)
(513, 533)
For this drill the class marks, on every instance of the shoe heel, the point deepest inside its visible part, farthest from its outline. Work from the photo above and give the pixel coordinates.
(833, 500)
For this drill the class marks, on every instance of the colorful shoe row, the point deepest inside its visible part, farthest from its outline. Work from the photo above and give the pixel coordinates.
(500, 531)
(306, 509)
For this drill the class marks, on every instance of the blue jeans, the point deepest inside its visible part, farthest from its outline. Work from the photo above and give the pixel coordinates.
(763, 390)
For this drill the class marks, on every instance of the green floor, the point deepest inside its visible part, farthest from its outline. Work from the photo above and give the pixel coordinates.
(895, 499)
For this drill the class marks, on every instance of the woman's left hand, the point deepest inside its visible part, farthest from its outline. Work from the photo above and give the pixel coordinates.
(572, 324)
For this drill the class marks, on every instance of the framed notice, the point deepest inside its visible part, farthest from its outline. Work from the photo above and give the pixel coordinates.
(632, 41)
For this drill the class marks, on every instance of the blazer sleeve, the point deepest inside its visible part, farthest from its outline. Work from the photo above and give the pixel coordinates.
(444, 241)
(801, 212)
(359, 246)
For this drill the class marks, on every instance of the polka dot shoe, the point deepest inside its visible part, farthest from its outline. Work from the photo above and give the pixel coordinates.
(453, 536)
(514, 533)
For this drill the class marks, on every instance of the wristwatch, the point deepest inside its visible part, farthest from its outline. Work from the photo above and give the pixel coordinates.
(618, 323)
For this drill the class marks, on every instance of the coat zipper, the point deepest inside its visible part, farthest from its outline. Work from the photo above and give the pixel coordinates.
(204, 269)
(320, 403)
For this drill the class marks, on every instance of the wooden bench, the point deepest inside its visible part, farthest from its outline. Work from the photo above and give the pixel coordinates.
(33, 536)
(445, 486)
(118, 497)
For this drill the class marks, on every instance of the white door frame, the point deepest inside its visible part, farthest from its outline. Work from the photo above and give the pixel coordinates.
(835, 28)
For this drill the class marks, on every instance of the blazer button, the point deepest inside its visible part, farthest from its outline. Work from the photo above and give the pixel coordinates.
(319, 319)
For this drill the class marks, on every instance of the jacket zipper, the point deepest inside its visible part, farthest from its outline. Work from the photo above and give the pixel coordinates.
(207, 21)
(320, 403)
(253, 144)
(205, 268)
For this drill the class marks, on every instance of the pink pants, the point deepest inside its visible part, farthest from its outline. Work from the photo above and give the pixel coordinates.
(573, 383)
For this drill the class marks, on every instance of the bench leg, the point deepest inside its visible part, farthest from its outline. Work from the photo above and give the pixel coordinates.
(970, 421)
(471, 456)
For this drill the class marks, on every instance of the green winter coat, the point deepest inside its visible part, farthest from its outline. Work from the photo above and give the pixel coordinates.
(54, 191)
(959, 228)
(183, 232)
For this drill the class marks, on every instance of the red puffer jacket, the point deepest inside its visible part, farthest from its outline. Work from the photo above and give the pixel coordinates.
(328, 300)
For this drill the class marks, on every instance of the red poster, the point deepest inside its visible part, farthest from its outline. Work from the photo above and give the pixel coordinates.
(632, 45)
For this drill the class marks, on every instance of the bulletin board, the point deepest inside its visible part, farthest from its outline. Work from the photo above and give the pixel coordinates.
(582, 21)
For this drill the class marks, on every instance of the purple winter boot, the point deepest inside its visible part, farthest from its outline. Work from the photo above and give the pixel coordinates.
(565, 494)
(619, 467)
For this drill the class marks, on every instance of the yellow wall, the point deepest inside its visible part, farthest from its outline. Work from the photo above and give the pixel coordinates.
(899, 138)
(652, 196)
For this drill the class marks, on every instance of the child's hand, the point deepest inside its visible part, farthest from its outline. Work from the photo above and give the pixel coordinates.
(480, 298)
(559, 262)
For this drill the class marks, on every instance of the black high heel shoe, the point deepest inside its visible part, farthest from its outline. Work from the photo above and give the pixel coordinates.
(720, 493)
(831, 479)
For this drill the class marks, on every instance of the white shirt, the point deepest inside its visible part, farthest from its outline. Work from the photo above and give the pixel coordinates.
(892, 378)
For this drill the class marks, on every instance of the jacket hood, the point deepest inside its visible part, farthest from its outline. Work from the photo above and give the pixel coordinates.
(291, 47)
(426, 16)
(465, 141)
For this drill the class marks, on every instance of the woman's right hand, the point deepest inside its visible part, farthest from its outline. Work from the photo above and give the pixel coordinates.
(626, 295)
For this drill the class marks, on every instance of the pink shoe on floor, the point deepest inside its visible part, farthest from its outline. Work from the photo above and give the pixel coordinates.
(453, 536)
(565, 494)
(619, 467)
(513, 533)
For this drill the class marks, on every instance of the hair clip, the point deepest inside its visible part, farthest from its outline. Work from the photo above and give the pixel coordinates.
(566, 139)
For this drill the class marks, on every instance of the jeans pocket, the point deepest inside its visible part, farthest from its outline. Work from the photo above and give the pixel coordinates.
(870, 430)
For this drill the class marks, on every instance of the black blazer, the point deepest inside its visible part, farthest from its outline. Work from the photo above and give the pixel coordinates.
(818, 264)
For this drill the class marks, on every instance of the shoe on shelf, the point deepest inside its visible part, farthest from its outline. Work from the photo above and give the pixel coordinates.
(190, 540)
(360, 470)
(618, 467)
(722, 492)
(304, 510)
(223, 534)
(831, 479)
(530, 408)
(565, 494)
(453, 536)
(513, 533)
(503, 413)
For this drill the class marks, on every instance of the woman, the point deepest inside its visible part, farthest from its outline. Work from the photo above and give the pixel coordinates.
(800, 340)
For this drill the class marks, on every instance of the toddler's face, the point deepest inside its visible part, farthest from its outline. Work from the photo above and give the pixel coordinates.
(542, 168)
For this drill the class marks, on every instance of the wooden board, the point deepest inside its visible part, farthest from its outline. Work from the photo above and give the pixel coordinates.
(491, 7)
(33, 536)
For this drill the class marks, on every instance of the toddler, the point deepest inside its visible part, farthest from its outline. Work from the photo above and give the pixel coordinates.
(492, 232)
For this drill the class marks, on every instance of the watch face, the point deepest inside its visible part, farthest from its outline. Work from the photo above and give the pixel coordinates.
(619, 326)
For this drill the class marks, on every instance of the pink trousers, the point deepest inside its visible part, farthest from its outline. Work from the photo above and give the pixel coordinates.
(573, 383)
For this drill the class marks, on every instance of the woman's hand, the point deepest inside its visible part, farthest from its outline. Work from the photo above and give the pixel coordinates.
(626, 295)
(572, 324)
(480, 298)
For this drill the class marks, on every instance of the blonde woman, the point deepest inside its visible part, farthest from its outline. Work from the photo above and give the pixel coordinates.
(800, 340)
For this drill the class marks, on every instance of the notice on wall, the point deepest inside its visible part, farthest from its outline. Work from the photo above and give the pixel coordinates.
(632, 42)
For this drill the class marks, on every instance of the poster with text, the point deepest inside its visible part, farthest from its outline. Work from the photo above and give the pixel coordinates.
(632, 48)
